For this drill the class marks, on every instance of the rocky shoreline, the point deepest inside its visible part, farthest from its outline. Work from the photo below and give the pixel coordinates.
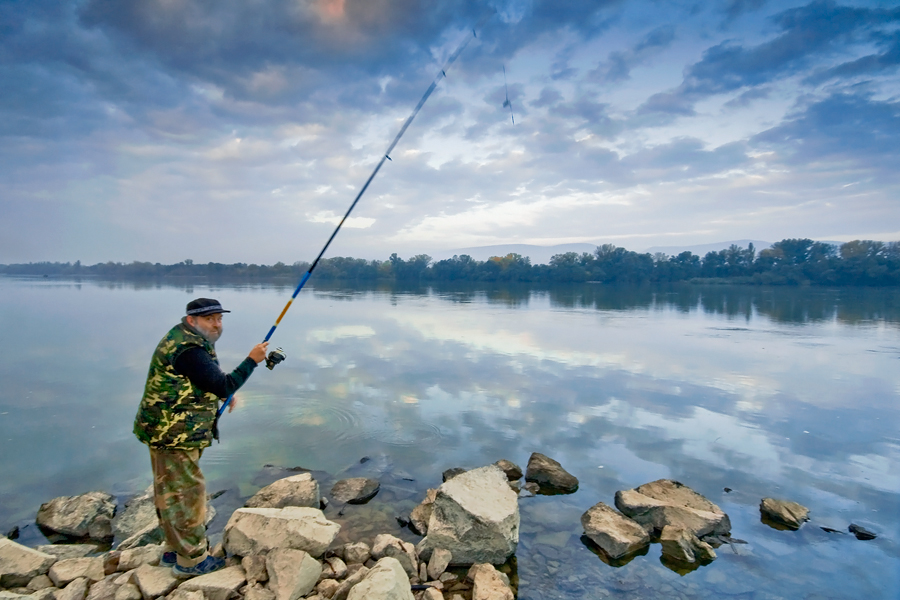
(281, 546)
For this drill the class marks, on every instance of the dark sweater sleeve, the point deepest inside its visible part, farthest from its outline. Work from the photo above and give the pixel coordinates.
(197, 365)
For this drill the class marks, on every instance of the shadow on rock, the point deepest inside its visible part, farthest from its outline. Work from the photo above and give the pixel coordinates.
(612, 562)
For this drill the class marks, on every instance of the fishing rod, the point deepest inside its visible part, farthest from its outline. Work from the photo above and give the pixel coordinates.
(278, 355)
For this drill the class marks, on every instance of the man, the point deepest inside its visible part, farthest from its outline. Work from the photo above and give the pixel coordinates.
(177, 420)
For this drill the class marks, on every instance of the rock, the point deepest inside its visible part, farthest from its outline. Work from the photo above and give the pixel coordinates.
(357, 490)
(387, 580)
(64, 571)
(432, 594)
(62, 551)
(387, 545)
(344, 589)
(111, 562)
(139, 512)
(104, 590)
(861, 532)
(549, 474)
(180, 594)
(784, 512)
(356, 553)
(20, 564)
(334, 568)
(255, 530)
(255, 569)
(40, 582)
(529, 490)
(75, 590)
(476, 517)
(327, 587)
(292, 573)
(421, 514)
(512, 470)
(665, 502)
(81, 516)
(154, 581)
(438, 563)
(8, 595)
(451, 473)
(128, 591)
(151, 534)
(218, 585)
(297, 490)
(258, 592)
(490, 584)
(135, 557)
(612, 531)
(682, 545)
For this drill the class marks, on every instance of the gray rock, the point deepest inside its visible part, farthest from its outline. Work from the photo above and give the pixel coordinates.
(665, 502)
(333, 568)
(784, 512)
(255, 569)
(8, 595)
(142, 555)
(139, 512)
(387, 580)
(64, 571)
(297, 490)
(346, 585)
(256, 530)
(356, 553)
(104, 590)
(152, 533)
(451, 473)
(180, 594)
(432, 594)
(438, 563)
(327, 587)
(218, 585)
(357, 490)
(612, 531)
(154, 581)
(128, 591)
(421, 514)
(62, 551)
(489, 584)
(512, 470)
(40, 582)
(74, 516)
(258, 592)
(549, 474)
(75, 590)
(476, 517)
(386, 545)
(20, 564)
(682, 545)
(292, 573)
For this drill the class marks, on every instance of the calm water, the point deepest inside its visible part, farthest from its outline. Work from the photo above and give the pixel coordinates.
(788, 393)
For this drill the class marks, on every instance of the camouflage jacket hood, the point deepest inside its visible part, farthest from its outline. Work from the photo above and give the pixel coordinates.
(174, 413)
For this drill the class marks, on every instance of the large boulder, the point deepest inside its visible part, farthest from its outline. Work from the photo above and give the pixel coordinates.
(476, 517)
(665, 502)
(292, 573)
(297, 490)
(612, 531)
(256, 530)
(549, 475)
(357, 490)
(218, 585)
(20, 564)
(385, 581)
(85, 516)
(681, 545)
(784, 512)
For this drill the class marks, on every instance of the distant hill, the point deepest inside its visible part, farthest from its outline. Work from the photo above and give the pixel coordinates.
(539, 255)
(702, 249)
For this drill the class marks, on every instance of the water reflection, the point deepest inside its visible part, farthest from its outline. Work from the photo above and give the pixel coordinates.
(783, 392)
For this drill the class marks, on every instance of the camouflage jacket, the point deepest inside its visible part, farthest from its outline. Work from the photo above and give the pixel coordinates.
(174, 413)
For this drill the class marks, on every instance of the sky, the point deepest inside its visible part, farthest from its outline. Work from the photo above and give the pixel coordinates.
(241, 130)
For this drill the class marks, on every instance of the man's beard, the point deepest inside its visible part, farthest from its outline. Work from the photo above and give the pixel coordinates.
(212, 335)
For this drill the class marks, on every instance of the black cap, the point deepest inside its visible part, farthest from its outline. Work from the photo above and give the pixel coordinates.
(204, 306)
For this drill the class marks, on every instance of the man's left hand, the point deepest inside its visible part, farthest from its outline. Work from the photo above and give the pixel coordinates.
(233, 403)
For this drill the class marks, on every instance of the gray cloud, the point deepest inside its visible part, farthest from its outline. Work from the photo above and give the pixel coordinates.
(617, 67)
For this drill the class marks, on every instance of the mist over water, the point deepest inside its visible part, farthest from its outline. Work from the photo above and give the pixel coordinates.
(783, 392)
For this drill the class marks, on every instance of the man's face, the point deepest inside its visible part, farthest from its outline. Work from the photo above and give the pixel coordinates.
(209, 325)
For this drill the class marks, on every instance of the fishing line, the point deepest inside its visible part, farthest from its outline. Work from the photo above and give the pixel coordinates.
(278, 355)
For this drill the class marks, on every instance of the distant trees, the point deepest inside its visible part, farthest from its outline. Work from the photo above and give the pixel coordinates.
(788, 262)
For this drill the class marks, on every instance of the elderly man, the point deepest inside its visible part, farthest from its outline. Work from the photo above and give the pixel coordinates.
(177, 420)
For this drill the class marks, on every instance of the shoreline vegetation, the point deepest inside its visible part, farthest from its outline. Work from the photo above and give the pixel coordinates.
(788, 262)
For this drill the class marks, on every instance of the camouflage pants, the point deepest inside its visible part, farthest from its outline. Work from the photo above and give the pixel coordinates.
(180, 496)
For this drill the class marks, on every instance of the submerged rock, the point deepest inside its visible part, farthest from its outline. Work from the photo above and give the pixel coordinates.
(297, 490)
(666, 502)
(549, 475)
(88, 515)
(357, 490)
(476, 517)
(612, 531)
(784, 512)
(861, 532)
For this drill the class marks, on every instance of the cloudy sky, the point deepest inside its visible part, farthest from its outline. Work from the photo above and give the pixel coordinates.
(241, 130)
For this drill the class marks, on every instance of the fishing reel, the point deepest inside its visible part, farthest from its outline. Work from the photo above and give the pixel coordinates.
(275, 356)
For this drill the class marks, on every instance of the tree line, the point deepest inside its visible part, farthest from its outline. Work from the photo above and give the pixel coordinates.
(788, 262)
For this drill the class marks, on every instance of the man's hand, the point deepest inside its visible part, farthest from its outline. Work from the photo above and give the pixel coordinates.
(233, 403)
(258, 354)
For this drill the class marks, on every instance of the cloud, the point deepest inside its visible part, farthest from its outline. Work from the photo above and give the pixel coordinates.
(617, 67)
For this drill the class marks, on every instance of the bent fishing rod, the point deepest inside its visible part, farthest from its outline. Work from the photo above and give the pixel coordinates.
(278, 355)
